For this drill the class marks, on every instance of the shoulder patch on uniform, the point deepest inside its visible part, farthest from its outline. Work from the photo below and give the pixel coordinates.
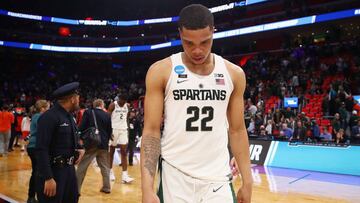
(179, 69)
(64, 125)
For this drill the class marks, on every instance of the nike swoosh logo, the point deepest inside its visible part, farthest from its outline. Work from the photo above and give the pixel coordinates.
(181, 81)
(215, 190)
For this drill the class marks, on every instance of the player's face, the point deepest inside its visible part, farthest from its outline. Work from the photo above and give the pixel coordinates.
(197, 44)
(122, 102)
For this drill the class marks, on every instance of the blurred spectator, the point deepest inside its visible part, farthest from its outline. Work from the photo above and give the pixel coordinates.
(40, 107)
(251, 128)
(302, 117)
(340, 136)
(99, 152)
(353, 119)
(252, 109)
(262, 134)
(286, 131)
(325, 135)
(332, 97)
(134, 134)
(288, 113)
(16, 132)
(355, 133)
(269, 127)
(25, 130)
(315, 129)
(291, 123)
(6, 119)
(277, 117)
(336, 124)
(343, 115)
(325, 106)
(258, 121)
(299, 132)
(268, 116)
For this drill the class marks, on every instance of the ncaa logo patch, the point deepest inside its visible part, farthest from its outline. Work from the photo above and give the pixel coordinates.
(179, 69)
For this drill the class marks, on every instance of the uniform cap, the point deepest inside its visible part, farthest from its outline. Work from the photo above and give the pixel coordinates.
(66, 90)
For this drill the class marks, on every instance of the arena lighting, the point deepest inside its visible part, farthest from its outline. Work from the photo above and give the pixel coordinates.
(218, 35)
(64, 31)
(90, 21)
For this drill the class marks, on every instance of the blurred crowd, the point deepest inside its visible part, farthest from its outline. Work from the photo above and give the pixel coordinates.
(330, 71)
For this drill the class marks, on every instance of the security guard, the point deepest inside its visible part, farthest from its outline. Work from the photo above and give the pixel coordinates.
(58, 148)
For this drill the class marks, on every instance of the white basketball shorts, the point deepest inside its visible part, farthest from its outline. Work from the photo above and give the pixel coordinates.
(177, 187)
(121, 137)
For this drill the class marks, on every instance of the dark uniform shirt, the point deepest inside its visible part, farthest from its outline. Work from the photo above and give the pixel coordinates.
(56, 137)
(134, 127)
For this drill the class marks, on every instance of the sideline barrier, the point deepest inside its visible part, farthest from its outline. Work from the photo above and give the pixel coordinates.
(321, 157)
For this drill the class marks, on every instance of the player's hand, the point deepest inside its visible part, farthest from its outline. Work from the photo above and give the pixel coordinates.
(150, 197)
(81, 154)
(244, 194)
(50, 187)
(234, 167)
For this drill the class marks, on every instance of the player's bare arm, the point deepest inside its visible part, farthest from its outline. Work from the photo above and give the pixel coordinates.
(237, 131)
(111, 108)
(156, 80)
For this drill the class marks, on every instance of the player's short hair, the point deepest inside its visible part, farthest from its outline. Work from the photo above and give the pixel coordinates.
(122, 97)
(195, 16)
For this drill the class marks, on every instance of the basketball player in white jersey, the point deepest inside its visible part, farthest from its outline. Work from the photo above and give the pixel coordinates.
(197, 92)
(119, 111)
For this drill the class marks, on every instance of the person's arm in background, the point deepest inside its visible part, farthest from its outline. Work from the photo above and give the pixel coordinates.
(150, 144)
(237, 132)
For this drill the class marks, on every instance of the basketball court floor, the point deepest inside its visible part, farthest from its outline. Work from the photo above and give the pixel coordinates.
(270, 184)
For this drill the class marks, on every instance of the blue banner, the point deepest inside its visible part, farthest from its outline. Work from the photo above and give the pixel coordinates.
(224, 34)
(121, 23)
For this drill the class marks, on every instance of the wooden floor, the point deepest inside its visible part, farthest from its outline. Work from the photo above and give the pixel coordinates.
(15, 172)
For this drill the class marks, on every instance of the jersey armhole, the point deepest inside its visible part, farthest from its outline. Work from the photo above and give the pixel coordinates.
(169, 79)
(226, 72)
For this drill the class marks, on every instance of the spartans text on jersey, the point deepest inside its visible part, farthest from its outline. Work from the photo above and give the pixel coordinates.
(196, 94)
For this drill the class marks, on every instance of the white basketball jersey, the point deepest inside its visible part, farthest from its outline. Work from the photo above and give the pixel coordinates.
(195, 134)
(119, 117)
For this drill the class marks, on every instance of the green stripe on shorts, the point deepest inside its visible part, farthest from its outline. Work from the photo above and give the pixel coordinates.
(233, 193)
(160, 193)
